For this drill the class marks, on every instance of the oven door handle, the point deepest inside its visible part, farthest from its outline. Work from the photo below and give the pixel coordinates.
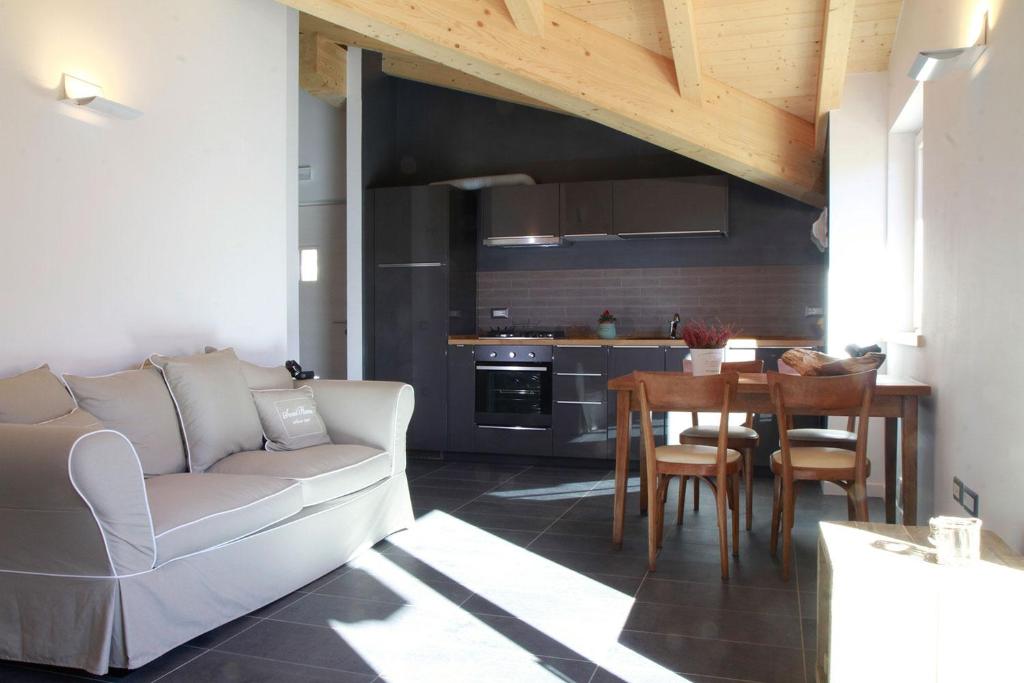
(533, 368)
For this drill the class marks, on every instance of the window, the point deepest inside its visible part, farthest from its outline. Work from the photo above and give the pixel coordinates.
(309, 270)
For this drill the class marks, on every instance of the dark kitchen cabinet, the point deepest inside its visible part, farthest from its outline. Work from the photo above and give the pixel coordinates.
(585, 210)
(424, 251)
(519, 214)
(623, 360)
(411, 339)
(410, 224)
(461, 393)
(580, 410)
(671, 206)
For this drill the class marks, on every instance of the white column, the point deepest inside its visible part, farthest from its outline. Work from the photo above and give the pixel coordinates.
(354, 210)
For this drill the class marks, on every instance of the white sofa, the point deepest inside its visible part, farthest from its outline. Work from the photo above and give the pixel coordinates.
(101, 566)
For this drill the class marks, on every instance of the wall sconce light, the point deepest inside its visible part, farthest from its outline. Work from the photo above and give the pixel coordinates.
(81, 93)
(934, 64)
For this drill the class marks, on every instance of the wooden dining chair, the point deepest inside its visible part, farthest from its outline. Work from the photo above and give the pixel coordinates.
(742, 438)
(717, 465)
(797, 395)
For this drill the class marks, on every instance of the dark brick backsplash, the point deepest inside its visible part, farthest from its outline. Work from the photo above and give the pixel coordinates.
(762, 301)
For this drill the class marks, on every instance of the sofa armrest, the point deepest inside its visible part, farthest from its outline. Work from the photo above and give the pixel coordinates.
(72, 501)
(368, 413)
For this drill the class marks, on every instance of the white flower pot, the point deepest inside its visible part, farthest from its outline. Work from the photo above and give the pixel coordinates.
(707, 361)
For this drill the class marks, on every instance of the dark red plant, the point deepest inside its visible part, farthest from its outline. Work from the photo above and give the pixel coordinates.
(699, 334)
(606, 317)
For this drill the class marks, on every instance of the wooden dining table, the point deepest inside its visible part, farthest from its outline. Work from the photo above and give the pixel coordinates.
(895, 399)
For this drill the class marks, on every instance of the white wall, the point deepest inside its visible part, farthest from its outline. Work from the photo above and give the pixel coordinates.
(322, 223)
(973, 252)
(121, 238)
(857, 190)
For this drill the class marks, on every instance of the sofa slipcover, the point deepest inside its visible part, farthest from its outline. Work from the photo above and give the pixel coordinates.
(137, 404)
(193, 512)
(214, 406)
(324, 472)
(33, 396)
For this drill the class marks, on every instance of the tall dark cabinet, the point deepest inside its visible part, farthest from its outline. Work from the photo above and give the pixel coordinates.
(424, 250)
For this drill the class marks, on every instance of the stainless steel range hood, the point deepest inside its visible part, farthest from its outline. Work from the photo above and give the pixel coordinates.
(523, 241)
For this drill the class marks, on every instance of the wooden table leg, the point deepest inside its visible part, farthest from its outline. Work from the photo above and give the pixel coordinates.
(622, 430)
(891, 424)
(909, 460)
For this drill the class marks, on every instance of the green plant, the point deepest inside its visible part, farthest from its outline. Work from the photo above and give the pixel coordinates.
(606, 317)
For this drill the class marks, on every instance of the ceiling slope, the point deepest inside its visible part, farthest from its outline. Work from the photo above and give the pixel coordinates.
(577, 67)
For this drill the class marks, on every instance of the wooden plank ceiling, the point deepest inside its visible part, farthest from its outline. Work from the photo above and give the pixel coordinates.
(741, 85)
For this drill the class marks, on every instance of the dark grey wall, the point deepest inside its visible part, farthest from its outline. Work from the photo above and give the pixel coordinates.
(417, 134)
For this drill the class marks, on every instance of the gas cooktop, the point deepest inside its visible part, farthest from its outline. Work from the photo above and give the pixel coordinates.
(514, 333)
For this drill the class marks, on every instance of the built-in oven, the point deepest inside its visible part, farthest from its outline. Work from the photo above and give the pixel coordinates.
(513, 387)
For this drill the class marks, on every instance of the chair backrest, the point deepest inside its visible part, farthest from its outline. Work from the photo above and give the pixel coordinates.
(744, 366)
(741, 366)
(849, 395)
(682, 392)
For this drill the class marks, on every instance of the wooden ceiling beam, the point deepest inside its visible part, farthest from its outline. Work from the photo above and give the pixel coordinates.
(322, 68)
(682, 34)
(528, 15)
(581, 69)
(413, 68)
(835, 51)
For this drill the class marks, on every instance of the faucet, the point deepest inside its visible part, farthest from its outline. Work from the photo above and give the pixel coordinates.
(673, 327)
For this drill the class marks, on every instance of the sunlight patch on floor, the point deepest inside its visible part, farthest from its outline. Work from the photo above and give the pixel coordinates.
(432, 639)
(566, 606)
(567, 491)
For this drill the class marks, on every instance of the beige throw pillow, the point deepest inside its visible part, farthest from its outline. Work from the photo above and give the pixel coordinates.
(260, 377)
(137, 404)
(214, 406)
(34, 396)
(290, 419)
(78, 418)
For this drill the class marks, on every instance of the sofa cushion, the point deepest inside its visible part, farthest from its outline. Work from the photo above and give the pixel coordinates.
(137, 404)
(215, 408)
(290, 419)
(34, 396)
(325, 472)
(193, 512)
(260, 377)
(76, 418)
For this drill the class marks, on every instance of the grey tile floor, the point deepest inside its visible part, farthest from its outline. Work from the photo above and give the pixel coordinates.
(509, 575)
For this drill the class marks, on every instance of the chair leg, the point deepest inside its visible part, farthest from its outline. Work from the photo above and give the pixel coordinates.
(652, 527)
(721, 492)
(644, 502)
(748, 482)
(663, 482)
(788, 503)
(696, 494)
(851, 510)
(735, 514)
(860, 501)
(683, 481)
(776, 516)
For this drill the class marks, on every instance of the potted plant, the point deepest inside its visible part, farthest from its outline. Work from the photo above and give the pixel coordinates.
(606, 325)
(707, 345)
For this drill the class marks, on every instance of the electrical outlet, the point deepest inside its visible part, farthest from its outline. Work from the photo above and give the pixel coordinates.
(500, 313)
(970, 502)
(958, 490)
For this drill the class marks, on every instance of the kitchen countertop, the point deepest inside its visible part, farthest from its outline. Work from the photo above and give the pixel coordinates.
(755, 343)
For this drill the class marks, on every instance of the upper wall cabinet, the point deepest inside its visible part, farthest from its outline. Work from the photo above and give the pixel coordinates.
(669, 207)
(585, 210)
(519, 215)
(410, 225)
